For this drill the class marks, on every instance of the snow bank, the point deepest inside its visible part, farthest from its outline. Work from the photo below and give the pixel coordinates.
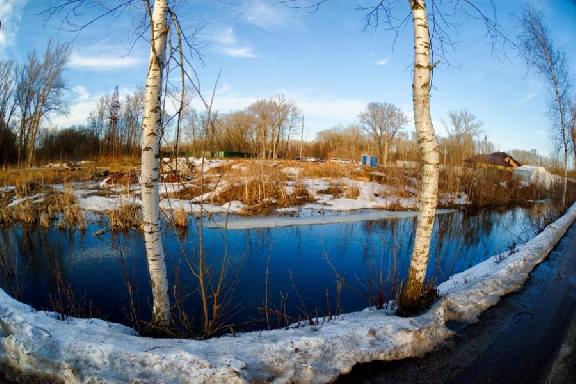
(195, 208)
(95, 351)
(287, 221)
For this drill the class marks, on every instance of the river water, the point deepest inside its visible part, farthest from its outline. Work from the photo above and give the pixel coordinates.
(291, 273)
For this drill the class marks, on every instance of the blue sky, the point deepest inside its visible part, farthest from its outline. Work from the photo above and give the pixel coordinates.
(324, 61)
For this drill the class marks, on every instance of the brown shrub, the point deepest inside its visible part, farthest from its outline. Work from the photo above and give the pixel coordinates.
(335, 190)
(180, 218)
(263, 190)
(352, 193)
(125, 217)
(188, 193)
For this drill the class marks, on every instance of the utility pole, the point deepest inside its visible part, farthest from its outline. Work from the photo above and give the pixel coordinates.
(114, 114)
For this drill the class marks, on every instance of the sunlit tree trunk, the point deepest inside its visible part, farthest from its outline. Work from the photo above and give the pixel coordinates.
(429, 157)
(151, 129)
(385, 158)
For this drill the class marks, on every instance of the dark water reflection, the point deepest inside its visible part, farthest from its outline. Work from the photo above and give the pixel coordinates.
(316, 268)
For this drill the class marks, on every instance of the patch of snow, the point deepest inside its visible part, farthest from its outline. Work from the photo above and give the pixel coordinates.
(58, 165)
(36, 198)
(195, 208)
(292, 171)
(196, 162)
(170, 187)
(292, 220)
(8, 188)
(94, 351)
(96, 203)
(454, 198)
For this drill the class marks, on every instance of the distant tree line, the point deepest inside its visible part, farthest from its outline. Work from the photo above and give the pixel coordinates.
(268, 128)
(29, 92)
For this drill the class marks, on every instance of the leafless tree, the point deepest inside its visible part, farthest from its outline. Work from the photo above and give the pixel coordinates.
(541, 54)
(125, 136)
(275, 119)
(463, 130)
(382, 122)
(341, 142)
(7, 111)
(39, 91)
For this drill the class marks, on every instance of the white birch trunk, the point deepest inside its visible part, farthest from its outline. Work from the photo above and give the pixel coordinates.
(428, 148)
(151, 128)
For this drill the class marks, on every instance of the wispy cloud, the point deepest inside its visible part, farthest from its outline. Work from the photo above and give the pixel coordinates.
(102, 62)
(81, 92)
(10, 17)
(244, 52)
(227, 43)
(383, 61)
(265, 14)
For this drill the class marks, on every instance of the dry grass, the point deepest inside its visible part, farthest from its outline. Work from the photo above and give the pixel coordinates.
(335, 190)
(180, 218)
(262, 188)
(188, 192)
(65, 207)
(47, 175)
(492, 187)
(125, 217)
(329, 169)
(352, 193)
(60, 207)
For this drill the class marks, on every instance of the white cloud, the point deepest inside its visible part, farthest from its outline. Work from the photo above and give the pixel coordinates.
(81, 103)
(77, 114)
(102, 62)
(227, 43)
(10, 17)
(383, 61)
(244, 52)
(224, 36)
(81, 92)
(265, 14)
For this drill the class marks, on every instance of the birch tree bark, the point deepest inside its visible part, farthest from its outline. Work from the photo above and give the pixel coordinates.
(151, 129)
(429, 158)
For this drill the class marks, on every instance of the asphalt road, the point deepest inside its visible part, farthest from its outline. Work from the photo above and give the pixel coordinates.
(529, 337)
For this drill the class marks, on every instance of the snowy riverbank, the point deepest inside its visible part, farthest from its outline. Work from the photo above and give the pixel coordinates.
(92, 350)
(328, 218)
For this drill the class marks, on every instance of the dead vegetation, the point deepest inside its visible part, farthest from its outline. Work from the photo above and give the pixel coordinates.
(261, 185)
(263, 190)
(494, 187)
(125, 217)
(43, 208)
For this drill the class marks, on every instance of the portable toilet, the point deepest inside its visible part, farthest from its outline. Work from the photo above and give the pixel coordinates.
(373, 161)
(365, 159)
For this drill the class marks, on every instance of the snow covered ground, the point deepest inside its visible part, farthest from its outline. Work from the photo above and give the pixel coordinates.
(94, 351)
(105, 195)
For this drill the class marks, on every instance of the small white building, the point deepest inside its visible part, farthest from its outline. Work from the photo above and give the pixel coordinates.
(534, 175)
